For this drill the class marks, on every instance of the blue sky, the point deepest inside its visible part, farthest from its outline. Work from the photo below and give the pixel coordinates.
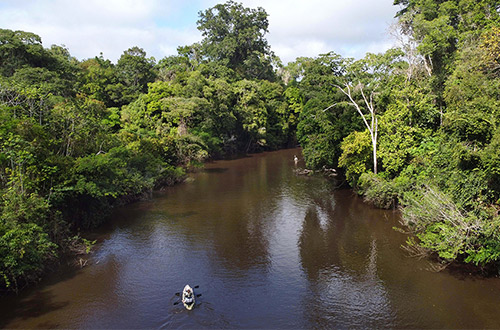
(296, 27)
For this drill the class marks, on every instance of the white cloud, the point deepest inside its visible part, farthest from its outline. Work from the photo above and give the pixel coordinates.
(297, 27)
(312, 27)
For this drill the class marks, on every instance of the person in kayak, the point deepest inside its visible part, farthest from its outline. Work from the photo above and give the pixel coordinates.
(188, 296)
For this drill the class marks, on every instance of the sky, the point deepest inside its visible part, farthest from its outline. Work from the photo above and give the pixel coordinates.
(297, 28)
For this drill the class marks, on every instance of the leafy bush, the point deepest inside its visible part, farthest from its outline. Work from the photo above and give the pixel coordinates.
(377, 191)
(449, 231)
(24, 251)
(356, 155)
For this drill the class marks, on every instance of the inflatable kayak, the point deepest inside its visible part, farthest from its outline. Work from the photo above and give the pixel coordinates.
(188, 297)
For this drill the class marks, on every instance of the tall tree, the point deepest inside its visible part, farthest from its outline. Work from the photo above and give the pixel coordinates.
(134, 71)
(234, 35)
(97, 79)
(19, 48)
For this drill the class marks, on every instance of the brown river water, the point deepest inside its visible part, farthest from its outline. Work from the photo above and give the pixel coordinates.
(268, 249)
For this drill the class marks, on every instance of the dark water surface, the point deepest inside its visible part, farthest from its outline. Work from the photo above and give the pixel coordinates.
(268, 249)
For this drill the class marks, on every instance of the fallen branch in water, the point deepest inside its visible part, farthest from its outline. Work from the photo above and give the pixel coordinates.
(330, 172)
(83, 262)
(303, 171)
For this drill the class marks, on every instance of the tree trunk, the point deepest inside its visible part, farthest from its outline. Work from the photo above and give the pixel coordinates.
(373, 126)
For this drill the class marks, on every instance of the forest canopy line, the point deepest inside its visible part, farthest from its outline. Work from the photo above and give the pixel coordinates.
(414, 126)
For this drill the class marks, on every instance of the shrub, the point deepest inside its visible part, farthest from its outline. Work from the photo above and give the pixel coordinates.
(356, 155)
(24, 250)
(449, 231)
(377, 191)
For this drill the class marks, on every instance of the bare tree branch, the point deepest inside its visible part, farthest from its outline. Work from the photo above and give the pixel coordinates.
(373, 126)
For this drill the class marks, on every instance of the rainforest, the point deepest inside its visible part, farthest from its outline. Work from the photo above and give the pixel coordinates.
(415, 128)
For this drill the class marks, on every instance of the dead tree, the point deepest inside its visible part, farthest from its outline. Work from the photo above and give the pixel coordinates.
(373, 126)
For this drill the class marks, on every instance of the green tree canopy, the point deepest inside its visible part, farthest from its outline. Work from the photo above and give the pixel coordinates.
(234, 35)
(134, 71)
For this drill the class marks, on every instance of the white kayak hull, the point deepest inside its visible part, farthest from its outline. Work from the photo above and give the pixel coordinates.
(188, 297)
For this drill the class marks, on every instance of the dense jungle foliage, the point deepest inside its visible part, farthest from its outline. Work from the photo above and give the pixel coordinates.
(418, 126)
(415, 126)
(79, 137)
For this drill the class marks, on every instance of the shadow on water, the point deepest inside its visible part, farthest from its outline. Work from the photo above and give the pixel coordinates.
(36, 301)
(40, 303)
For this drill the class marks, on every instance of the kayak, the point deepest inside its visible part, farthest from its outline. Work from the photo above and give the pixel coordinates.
(188, 297)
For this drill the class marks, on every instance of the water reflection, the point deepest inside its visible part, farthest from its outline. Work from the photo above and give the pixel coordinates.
(344, 284)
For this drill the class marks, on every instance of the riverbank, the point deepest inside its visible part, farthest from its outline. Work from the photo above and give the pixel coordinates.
(31, 250)
(441, 229)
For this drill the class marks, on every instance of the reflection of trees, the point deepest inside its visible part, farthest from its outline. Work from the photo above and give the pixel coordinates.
(339, 256)
(313, 246)
(247, 196)
(240, 242)
(230, 211)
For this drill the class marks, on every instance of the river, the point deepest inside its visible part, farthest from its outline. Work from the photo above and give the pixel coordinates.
(268, 249)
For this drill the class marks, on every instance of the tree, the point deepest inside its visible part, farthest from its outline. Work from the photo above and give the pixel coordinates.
(440, 26)
(490, 45)
(321, 132)
(134, 71)
(380, 75)
(234, 35)
(373, 126)
(355, 156)
(96, 78)
(19, 48)
(188, 59)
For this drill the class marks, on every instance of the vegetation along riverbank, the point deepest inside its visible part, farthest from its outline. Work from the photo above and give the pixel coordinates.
(416, 126)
